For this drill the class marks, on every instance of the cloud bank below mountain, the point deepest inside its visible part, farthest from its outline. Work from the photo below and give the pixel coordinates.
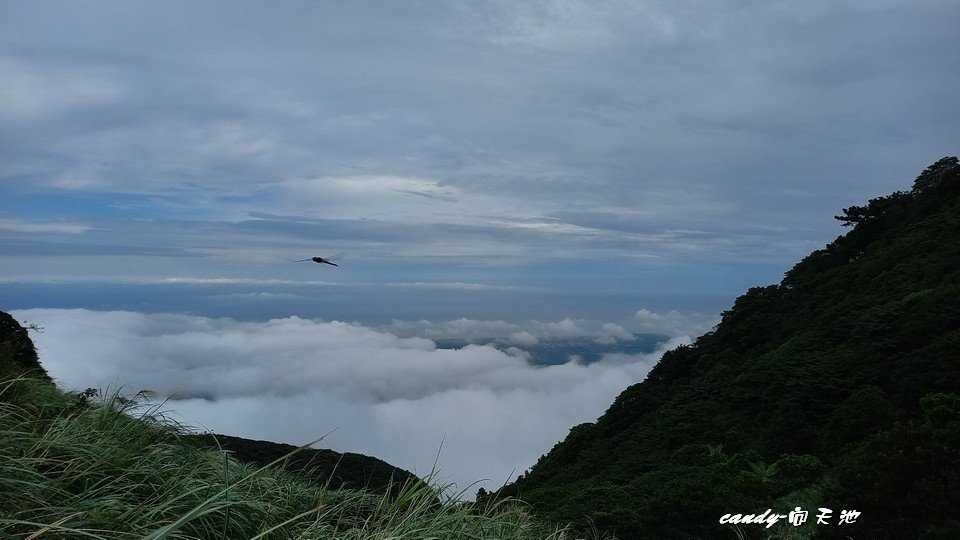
(489, 414)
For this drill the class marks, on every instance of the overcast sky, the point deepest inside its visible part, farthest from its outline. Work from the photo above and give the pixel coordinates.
(489, 161)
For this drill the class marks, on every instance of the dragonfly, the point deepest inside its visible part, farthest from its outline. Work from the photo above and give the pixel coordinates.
(325, 260)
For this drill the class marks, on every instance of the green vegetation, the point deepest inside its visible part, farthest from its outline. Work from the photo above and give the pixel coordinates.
(329, 468)
(82, 466)
(74, 468)
(837, 388)
(17, 353)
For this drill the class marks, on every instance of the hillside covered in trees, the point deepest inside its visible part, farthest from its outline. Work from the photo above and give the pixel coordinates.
(837, 388)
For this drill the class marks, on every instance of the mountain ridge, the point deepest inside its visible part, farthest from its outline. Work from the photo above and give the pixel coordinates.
(797, 397)
(323, 466)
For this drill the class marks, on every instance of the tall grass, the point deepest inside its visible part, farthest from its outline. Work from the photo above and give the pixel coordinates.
(76, 466)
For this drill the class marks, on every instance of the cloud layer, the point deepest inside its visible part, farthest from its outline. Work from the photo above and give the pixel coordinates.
(188, 138)
(292, 380)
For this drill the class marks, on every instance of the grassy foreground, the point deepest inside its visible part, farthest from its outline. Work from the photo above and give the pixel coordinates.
(78, 466)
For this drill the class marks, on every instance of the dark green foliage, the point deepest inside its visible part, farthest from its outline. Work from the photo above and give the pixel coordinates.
(325, 467)
(907, 476)
(837, 387)
(17, 353)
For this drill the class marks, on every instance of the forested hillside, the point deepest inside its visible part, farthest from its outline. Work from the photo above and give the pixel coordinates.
(837, 388)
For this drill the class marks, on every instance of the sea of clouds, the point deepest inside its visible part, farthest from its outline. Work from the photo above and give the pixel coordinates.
(477, 412)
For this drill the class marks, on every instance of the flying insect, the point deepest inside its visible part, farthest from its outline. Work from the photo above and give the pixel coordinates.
(325, 260)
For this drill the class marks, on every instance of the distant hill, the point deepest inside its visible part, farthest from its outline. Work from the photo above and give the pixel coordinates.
(322, 466)
(837, 388)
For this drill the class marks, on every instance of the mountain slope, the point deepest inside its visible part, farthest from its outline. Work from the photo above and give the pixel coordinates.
(110, 468)
(837, 388)
(323, 466)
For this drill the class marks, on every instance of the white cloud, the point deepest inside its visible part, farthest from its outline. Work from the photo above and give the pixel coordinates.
(411, 200)
(231, 281)
(232, 139)
(462, 328)
(527, 333)
(373, 197)
(27, 92)
(616, 332)
(518, 353)
(675, 323)
(294, 379)
(261, 296)
(574, 25)
(523, 338)
(18, 225)
(455, 286)
(566, 328)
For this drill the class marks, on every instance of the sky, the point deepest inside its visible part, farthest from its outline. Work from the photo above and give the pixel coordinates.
(491, 167)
